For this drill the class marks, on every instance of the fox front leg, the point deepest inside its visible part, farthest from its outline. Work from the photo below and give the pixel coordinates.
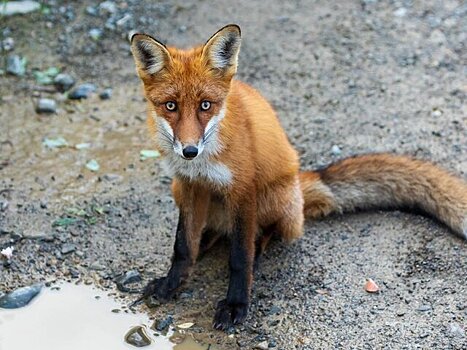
(234, 309)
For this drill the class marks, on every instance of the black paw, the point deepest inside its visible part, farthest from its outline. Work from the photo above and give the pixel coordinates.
(160, 289)
(229, 315)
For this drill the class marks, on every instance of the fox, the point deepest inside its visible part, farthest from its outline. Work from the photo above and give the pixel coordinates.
(236, 175)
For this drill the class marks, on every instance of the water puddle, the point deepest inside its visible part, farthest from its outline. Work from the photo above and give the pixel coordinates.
(77, 317)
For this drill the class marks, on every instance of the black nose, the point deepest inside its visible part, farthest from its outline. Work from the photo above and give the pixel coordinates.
(190, 152)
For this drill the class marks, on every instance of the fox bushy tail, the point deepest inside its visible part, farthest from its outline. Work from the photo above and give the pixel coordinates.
(383, 181)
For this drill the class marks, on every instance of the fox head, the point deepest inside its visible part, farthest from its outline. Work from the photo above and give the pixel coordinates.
(186, 90)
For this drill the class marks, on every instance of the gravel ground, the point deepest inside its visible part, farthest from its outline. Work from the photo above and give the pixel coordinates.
(346, 77)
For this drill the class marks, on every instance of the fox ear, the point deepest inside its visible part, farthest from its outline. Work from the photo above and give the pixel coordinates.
(221, 50)
(150, 55)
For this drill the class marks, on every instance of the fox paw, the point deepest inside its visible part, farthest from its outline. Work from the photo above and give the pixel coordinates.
(229, 315)
(160, 289)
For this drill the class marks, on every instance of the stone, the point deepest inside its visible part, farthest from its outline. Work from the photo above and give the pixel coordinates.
(8, 44)
(15, 65)
(9, 8)
(82, 91)
(67, 248)
(138, 337)
(262, 346)
(106, 94)
(128, 277)
(64, 82)
(46, 105)
(20, 297)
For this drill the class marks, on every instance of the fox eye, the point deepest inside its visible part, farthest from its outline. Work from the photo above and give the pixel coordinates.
(205, 105)
(171, 106)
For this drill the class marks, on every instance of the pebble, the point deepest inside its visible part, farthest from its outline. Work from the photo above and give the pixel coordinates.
(4, 205)
(15, 65)
(424, 308)
(68, 248)
(112, 177)
(95, 33)
(455, 330)
(262, 346)
(107, 7)
(128, 277)
(335, 150)
(163, 325)
(400, 12)
(436, 113)
(9, 8)
(106, 94)
(8, 44)
(138, 337)
(64, 82)
(38, 235)
(20, 297)
(46, 105)
(82, 91)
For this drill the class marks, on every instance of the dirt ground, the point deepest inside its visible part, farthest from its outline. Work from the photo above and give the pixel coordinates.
(365, 76)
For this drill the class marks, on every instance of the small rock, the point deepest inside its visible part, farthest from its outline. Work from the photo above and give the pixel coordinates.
(106, 94)
(82, 91)
(20, 297)
(9, 8)
(274, 310)
(68, 248)
(112, 177)
(455, 330)
(63, 82)
(91, 10)
(107, 7)
(400, 313)
(97, 266)
(262, 346)
(4, 205)
(46, 105)
(37, 235)
(400, 12)
(436, 113)
(95, 33)
(424, 308)
(138, 337)
(8, 44)
(15, 65)
(335, 150)
(163, 325)
(131, 276)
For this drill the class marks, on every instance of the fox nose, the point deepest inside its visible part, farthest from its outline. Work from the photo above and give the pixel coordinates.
(190, 152)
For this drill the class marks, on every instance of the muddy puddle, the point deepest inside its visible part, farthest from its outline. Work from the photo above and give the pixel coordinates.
(76, 317)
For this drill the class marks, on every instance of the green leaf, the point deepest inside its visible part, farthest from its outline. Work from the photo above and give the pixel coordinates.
(55, 143)
(93, 165)
(46, 77)
(64, 222)
(146, 154)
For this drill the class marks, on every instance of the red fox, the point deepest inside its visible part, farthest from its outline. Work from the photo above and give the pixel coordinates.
(235, 173)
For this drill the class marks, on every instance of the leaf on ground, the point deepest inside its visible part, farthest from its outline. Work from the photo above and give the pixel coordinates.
(46, 77)
(371, 286)
(147, 153)
(64, 222)
(185, 325)
(93, 165)
(55, 143)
